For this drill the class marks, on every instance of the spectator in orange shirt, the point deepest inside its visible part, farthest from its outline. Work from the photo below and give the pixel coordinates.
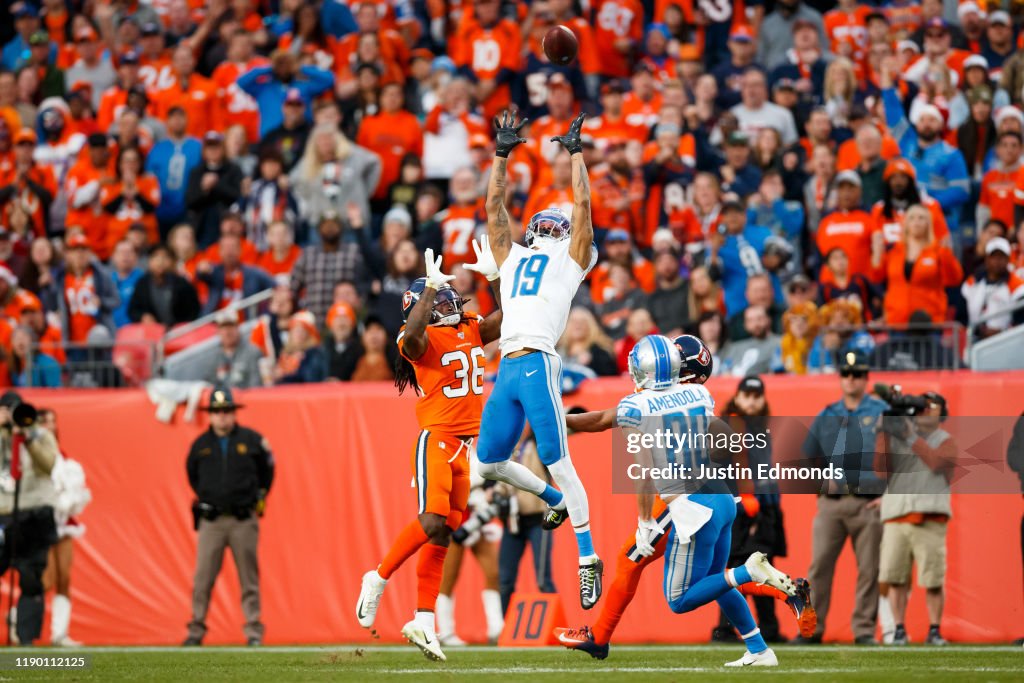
(849, 227)
(393, 49)
(131, 199)
(83, 184)
(900, 193)
(558, 194)
(487, 51)
(462, 219)
(390, 134)
(619, 251)
(919, 270)
(47, 335)
(618, 29)
(116, 97)
(31, 185)
(998, 184)
(155, 68)
(618, 195)
(310, 42)
(237, 106)
(86, 295)
(642, 105)
(612, 122)
(196, 94)
(281, 252)
(232, 223)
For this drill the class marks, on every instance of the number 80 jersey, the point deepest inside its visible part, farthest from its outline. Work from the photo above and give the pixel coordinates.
(537, 288)
(451, 377)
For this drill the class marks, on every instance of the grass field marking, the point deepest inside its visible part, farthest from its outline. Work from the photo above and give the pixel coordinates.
(781, 669)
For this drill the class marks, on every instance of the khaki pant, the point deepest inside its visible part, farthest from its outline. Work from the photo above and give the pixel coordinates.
(242, 536)
(904, 545)
(836, 520)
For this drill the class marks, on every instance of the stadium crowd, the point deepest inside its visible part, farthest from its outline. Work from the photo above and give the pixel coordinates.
(790, 181)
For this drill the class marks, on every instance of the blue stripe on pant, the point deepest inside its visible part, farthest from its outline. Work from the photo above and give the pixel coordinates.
(527, 388)
(705, 556)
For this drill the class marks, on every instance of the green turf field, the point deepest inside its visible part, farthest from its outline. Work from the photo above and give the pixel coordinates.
(631, 663)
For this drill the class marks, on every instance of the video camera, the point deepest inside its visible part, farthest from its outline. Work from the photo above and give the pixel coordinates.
(900, 404)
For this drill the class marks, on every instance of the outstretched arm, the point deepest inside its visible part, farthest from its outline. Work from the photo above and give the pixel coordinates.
(582, 226)
(596, 421)
(506, 137)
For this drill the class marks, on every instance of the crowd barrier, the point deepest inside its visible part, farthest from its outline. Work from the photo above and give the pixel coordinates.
(342, 492)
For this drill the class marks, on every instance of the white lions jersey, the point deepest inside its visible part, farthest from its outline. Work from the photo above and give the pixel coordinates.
(686, 410)
(537, 288)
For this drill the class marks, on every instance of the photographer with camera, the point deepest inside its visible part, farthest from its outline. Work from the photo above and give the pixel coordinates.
(230, 469)
(917, 457)
(27, 496)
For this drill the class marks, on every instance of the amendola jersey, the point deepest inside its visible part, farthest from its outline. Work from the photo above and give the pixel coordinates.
(451, 377)
(539, 285)
(683, 409)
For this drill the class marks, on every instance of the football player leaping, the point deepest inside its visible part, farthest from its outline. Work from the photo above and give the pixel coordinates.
(442, 356)
(697, 544)
(540, 281)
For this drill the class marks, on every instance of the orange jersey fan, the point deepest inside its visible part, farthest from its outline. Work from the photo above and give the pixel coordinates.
(451, 378)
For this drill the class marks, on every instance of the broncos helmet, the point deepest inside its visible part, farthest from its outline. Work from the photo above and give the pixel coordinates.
(654, 363)
(549, 225)
(696, 361)
(447, 308)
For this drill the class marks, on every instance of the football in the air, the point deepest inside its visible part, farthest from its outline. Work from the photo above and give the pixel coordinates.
(560, 45)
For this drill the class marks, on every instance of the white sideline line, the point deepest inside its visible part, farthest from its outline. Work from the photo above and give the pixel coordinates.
(350, 647)
(782, 669)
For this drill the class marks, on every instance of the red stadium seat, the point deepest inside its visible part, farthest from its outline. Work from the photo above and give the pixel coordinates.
(135, 351)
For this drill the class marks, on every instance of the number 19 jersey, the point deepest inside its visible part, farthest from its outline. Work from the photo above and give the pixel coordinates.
(451, 377)
(537, 288)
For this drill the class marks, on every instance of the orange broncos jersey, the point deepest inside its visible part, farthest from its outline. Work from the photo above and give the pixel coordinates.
(486, 51)
(615, 20)
(156, 73)
(546, 197)
(198, 99)
(840, 26)
(458, 227)
(451, 377)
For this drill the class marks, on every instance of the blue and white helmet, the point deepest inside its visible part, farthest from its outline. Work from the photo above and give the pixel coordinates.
(695, 360)
(654, 363)
(547, 226)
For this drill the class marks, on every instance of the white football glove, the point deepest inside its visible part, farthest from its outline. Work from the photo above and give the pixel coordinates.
(435, 278)
(485, 263)
(646, 531)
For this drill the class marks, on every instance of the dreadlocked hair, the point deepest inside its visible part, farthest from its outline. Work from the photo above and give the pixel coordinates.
(405, 375)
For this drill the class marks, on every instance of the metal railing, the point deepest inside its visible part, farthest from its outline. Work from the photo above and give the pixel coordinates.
(914, 346)
(247, 308)
(1008, 311)
(106, 364)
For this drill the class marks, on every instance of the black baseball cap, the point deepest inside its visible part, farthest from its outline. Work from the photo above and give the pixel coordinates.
(98, 140)
(751, 384)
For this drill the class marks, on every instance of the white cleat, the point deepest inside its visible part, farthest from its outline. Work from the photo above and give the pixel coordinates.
(763, 658)
(428, 643)
(762, 572)
(369, 599)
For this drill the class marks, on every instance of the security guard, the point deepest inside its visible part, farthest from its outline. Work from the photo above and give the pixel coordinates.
(230, 469)
(28, 527)
(843, 434)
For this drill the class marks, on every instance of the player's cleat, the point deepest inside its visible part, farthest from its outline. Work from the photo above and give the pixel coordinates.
(803, 610)
(426, 642)
(553, 518)
(590, 583)
(899, 637)
(763, 658)
(369, 599)
(581, 639)
(762, 572)
(935, 637)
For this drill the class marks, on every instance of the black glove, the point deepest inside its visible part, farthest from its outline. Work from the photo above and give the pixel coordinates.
(571, 140)
(506, 134)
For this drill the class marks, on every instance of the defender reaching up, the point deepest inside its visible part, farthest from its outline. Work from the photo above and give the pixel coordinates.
(540, 281)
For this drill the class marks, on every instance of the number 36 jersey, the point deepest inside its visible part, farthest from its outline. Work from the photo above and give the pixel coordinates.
(537, 288)
(451, 377)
